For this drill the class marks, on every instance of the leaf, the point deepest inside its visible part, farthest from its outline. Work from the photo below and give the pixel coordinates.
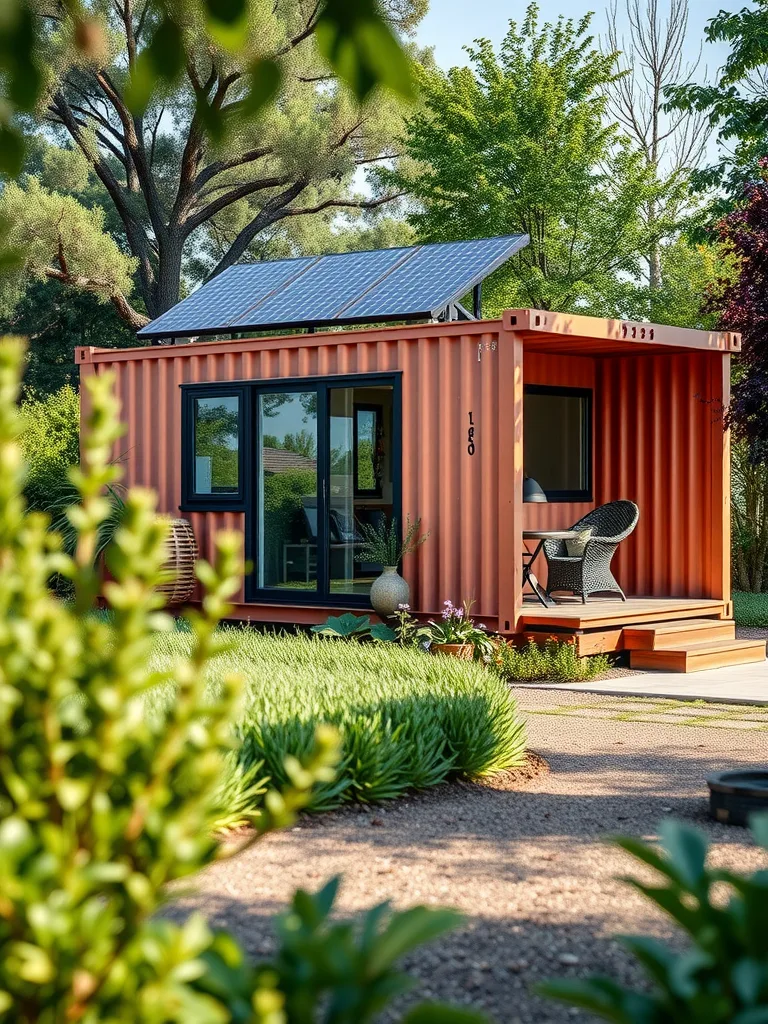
(605, 998)
(687, 849)
(228, 12)
(356, 41)
(344, 625)
(264, 78)
(759, 825)
(380, 631)
(406, 931)
(11, 150)
(163, 59)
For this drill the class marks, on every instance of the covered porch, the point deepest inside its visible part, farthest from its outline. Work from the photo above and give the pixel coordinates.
(630, 412)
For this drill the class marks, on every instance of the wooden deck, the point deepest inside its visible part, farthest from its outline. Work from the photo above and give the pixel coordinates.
(599, 625)
(572, 614)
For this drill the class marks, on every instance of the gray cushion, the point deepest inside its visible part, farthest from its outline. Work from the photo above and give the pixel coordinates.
(575, 547)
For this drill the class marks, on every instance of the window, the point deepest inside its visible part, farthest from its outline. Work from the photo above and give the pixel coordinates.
(213, 459)
(557, 428)
(308, 461)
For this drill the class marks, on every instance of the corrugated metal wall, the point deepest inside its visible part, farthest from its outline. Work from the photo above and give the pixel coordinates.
(658, 440)
(449, 372)
(661, 443)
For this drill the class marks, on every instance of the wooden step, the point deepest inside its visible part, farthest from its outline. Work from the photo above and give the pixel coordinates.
(699, 656)
(656, 636)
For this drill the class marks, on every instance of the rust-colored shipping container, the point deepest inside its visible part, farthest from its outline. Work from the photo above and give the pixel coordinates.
(293, 439)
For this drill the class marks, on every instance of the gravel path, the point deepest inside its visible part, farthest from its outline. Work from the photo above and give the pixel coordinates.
(528, 866)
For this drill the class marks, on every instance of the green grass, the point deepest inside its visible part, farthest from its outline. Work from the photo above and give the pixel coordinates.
(552, 661)
(750, 609)
(407, 720)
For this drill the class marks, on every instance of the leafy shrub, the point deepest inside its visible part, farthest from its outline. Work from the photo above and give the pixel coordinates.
(102, 806)
(722, 977)
(750, 609)
(358, 626)
(554, 660)
(406, 719)
(50, 443)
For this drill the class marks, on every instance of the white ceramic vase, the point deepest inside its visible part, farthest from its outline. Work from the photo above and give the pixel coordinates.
(388, 591)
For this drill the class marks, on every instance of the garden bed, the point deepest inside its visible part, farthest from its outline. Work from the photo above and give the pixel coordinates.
(407, 720)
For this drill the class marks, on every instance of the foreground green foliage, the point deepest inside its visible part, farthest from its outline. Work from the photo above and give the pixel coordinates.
(722, 978)
(354, 38)
(102, 805)
(553, 660)
(750, 609)
(406, 719)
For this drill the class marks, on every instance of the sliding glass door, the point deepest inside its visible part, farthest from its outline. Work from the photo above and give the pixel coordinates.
(326, 463)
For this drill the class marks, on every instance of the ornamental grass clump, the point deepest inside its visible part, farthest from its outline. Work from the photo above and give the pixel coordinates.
(406, 720)
(103, 805)
(555, 659)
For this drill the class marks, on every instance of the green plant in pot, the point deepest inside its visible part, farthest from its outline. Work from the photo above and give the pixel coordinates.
(458, 635)
(382, 545)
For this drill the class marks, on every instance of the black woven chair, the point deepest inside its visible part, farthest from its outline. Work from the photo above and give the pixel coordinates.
(590, 573)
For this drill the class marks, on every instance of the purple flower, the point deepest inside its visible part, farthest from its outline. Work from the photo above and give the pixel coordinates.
(403, 607)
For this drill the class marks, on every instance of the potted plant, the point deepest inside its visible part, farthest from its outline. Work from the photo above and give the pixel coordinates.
(457, 634)
(381, 544)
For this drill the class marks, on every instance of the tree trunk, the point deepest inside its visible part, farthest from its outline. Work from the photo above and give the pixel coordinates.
(166, 292)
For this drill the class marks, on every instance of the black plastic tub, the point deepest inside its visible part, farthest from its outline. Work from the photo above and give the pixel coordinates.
(735, 795)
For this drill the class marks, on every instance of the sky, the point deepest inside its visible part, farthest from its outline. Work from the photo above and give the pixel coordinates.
(450, 24)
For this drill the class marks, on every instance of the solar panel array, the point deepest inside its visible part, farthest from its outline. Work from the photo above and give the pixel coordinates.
(416, 283)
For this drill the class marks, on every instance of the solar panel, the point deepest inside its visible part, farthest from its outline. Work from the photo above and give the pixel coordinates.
(415, 283)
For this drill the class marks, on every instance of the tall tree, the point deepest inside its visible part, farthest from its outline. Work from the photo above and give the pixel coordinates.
(519, 142)
(172, 179)
(736, 103)
(671, 143)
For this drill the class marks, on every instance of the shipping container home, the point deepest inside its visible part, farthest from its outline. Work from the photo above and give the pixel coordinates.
(294, 439)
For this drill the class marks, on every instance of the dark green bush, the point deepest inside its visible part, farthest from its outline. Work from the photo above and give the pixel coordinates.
(722, 975)
(406, 719)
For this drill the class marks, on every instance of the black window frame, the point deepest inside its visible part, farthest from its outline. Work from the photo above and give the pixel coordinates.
(247, 499)
(587, 440)
(191, 500)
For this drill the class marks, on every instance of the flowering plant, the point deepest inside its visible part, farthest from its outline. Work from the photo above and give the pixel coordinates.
(407, 630)
(456, 626)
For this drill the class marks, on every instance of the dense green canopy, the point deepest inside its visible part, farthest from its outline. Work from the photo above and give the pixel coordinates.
(519, 142)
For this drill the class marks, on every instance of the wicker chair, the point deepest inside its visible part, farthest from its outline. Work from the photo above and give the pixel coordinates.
(590, 573)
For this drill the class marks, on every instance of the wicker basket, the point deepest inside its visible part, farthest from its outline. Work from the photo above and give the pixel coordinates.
(180, 565)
